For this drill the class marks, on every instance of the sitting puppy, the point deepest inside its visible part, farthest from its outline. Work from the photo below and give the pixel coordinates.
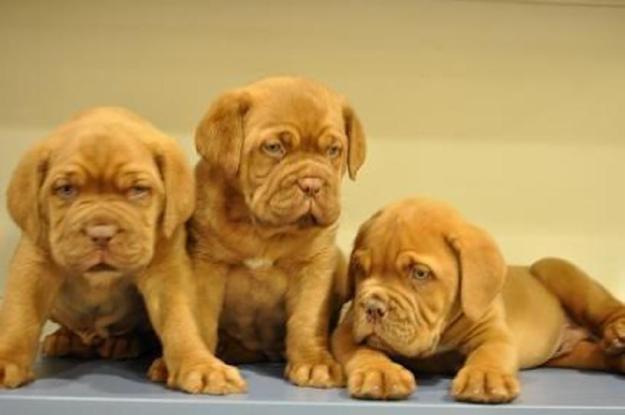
(432, 289)
(101, 203)
(263, 235)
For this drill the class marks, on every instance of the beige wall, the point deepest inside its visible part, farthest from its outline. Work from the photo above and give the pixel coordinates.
(514, 111)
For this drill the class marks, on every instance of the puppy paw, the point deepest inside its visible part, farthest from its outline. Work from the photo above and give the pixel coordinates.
(13, 375)
(613, 340)
(63, 343)
(324, 372)
(387, 381)
(158, 371)
(120, 347)
(213, 378)
(484, 385)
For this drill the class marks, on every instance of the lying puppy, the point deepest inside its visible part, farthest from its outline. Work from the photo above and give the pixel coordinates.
(101, 203)
(432, 289)
(263, 235)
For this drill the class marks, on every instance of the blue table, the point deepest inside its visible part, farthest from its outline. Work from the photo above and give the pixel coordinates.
(100, 387)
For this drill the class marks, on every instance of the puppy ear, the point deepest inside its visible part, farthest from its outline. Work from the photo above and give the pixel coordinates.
(482, 270)
(219, 137)
(359, 265)
(356, 146)
(360, 259)
(23, 192)
(179, 184)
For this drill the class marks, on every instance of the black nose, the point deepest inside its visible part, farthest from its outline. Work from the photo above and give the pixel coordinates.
(375, 308)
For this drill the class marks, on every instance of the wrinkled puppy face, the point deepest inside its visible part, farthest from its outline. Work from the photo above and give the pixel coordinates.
(406, 283)
(415, 265)
(293, 158)
(101, 192)
(296, 141)
(102, 199)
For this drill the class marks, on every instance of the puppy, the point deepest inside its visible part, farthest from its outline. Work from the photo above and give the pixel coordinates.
(101, 203)
(263, 235)
(433, 291)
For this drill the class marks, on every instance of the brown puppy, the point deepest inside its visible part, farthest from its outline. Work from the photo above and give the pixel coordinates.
(273, 155)
(432, 290)
(101, 203)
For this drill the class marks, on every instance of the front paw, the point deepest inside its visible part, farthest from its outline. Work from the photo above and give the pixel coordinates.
(158, 371)
(63, 343)
(613, 341)
(322, 372)
(382, 381)
(120, 347)
(484, 385)
(13, 374)
(211, 377)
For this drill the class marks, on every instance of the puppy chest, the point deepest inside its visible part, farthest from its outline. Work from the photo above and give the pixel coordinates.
(92, 311)
(254, 310)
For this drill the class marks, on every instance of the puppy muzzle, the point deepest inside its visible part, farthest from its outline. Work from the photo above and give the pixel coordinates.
(305, 194)
(100, 240)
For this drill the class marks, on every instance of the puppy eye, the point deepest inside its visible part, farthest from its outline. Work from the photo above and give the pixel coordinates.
(420, 272)
(334, 151)
(138, 192)
(66, 191)
(274, 149)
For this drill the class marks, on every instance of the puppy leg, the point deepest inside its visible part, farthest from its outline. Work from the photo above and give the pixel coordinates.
(489, 374)
(589, 355)
(30, 293)
(370, 373)
(586, 300)
(211, 284)
(219, 378)
(309, 362)
(126, 346)
(157, 372)
(170, 296)
(64, 342)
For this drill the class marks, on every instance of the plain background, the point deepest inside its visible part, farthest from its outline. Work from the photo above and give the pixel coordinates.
(514, 111)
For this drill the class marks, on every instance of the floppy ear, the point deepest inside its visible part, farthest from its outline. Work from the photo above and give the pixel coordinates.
(360, 259)
(359, 264)
(482, 270)
(23, 192)
(356, 146)
(219, 137)
(179, 185)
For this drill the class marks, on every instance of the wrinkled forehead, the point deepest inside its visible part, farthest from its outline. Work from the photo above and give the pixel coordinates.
(309, 111)
(100, 155)
(391, 237)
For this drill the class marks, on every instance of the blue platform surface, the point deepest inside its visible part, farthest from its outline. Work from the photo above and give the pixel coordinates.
(116, 388)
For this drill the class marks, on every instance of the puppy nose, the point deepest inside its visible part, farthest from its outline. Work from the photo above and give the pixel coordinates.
(310, 185)
(375, 308)
(101, 234)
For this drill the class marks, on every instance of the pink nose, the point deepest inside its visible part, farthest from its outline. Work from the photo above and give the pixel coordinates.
(101, 234)
(310, 185)
(375, 308)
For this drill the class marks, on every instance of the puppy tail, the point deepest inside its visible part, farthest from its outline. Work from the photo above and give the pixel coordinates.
(586, 301)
